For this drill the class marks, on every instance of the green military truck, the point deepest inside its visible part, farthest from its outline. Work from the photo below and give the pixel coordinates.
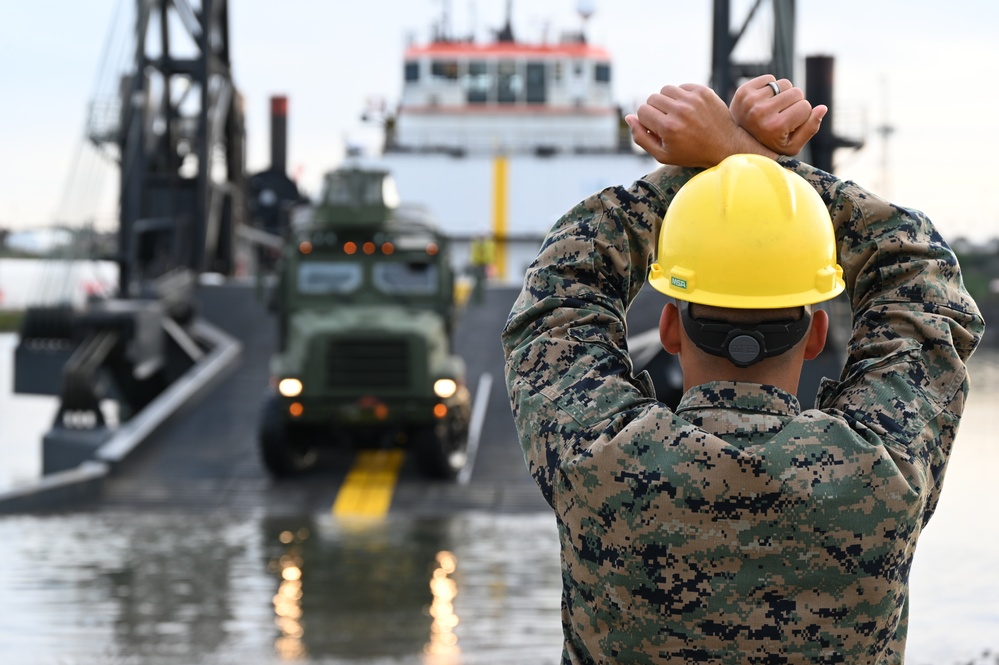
(365, 306)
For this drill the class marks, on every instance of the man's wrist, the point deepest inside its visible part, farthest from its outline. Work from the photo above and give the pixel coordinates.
(738, 141)
(750, 145)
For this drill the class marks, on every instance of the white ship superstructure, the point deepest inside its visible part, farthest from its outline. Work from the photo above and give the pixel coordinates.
(502, 138)
(462, 97)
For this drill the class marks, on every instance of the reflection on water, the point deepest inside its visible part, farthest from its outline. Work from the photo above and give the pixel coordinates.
(288, 599)
(473, 589)
(115, 589)
(359, 590)
(443, 642)
(162, 589)
(954, 608)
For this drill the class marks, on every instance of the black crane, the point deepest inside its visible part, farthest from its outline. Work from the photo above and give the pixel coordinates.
(177, 130)
(727, 73)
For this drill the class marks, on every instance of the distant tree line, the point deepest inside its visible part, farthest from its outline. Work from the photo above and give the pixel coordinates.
(980, 267)
(87, 245)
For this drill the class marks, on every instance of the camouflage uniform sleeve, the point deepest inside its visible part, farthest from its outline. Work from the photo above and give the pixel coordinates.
(565, 339)
(914, 327)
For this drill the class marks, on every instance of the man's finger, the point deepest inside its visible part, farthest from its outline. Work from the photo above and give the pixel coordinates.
(795, 115)
(646, 113)
(660, 102)
(808, 129)
(643, 137)
(782, 85)
(653, 115)
(677, 91)
(760, 81)
(788, 98)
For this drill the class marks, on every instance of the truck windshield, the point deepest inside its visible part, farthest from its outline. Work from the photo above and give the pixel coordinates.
(328, 277)
(413, 278)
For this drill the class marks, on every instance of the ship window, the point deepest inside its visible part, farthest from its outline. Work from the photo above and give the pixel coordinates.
(557, 72)
(412, 72)
(479, 82)
(322, 278)
(537, 89)
(602, 72)
(444, 69)
(352, 188)
(414, 278)
(509, 82)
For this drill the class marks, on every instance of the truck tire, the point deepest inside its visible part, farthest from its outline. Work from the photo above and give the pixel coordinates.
(440, 451)
(286, 450)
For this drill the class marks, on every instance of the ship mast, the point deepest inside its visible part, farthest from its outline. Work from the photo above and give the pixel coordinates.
(585, 9)
(506, 34)
(442, 31)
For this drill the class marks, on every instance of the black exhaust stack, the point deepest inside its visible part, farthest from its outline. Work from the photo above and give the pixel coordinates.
(819, 90)
(279, 134)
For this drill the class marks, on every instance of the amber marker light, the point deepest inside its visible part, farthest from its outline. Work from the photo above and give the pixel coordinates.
(296, 409)
(305, 247)
(432, 249)
(350, 248)
(440, 410)
(369, 248)
(387, 248)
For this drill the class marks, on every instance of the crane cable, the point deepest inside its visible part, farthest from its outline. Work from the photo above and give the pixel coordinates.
(85, 183)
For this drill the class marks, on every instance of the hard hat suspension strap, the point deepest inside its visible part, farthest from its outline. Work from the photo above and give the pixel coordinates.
(744, 344)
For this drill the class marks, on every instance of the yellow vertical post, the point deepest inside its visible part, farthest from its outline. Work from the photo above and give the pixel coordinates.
(500, 197)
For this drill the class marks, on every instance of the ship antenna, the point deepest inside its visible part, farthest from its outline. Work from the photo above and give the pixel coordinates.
(585, 9)
(506, 34)
(443, 29)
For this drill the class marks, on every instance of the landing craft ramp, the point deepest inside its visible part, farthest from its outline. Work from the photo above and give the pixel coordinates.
(205, 459)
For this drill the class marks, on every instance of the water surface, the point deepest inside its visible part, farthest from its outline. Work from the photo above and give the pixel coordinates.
(181, 589)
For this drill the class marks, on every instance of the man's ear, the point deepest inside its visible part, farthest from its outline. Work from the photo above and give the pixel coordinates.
(817, 334)
(669, 328)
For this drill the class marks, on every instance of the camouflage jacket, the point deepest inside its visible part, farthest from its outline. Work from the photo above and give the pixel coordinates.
(738, 529)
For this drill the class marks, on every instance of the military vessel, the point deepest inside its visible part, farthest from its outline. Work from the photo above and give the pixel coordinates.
(501, 138)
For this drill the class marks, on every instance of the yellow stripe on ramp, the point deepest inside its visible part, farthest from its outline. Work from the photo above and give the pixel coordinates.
(367, 490)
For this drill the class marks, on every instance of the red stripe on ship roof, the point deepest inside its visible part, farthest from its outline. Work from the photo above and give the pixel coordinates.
(500, 49)
(501, 110)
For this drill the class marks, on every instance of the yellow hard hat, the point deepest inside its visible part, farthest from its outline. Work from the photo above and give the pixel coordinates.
(747, 234)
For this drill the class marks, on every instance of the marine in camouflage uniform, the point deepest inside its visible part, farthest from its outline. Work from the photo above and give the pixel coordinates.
(739, 528)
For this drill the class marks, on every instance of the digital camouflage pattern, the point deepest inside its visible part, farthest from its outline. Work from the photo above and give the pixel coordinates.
(739, 529)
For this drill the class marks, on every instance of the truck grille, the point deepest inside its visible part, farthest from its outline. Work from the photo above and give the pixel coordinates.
(367, 365)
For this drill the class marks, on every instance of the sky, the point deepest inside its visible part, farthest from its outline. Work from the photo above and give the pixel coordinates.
(926, 68)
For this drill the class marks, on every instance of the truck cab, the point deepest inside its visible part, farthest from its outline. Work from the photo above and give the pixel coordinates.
(365, 305)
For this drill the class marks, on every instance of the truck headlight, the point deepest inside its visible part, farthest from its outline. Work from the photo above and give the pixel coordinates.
(290, 387)
(445, 388)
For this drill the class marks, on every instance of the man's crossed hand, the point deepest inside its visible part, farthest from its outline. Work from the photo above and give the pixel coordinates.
(689, 125)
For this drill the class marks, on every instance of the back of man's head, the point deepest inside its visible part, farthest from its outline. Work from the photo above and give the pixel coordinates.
(745, 247)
